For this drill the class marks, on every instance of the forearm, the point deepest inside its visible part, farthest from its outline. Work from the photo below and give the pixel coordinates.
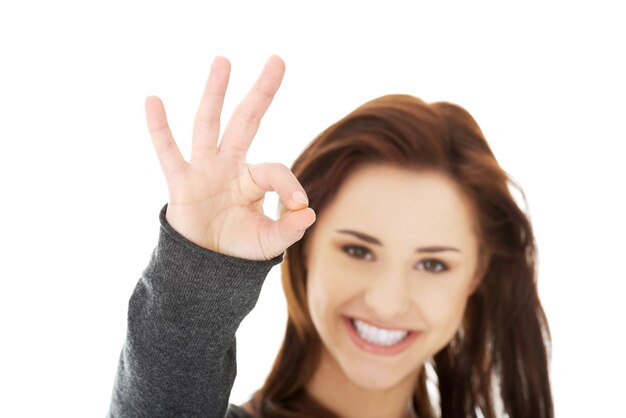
(179, 353)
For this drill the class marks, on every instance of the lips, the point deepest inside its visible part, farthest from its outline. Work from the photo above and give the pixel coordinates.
(382, 348)
(377, 335)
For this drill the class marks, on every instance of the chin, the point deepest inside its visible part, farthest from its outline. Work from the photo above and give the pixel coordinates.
(380, 378)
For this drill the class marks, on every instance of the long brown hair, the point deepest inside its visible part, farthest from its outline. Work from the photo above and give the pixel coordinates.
(500, 354)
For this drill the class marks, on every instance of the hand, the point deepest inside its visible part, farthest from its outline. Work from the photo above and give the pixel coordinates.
(216, 199)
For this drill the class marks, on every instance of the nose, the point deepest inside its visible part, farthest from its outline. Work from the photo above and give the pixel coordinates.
(388, 297)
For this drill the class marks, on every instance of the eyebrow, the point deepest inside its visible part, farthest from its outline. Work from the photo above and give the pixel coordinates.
(376, 241)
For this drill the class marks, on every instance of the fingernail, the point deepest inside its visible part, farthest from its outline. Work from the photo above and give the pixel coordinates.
(300, 198)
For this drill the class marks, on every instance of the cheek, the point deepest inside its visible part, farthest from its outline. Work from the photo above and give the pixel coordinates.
(328, 291)
(320, 295)
(443, 305)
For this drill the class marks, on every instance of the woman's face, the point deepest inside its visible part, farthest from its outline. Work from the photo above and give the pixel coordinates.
(390, 268)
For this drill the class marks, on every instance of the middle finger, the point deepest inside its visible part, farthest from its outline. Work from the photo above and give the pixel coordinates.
(206, 127)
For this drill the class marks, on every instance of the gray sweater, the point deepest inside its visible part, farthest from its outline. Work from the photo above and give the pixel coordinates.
(179, 355)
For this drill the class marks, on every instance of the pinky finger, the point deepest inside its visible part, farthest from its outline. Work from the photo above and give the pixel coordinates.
(167, 151)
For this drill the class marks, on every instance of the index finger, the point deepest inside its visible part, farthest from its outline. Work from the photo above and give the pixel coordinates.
(245, 121)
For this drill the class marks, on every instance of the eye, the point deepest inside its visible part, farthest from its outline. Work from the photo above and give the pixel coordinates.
(432, 266)
(357, 251)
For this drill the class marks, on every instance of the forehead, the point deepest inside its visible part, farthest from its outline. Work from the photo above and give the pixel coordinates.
(395, 203)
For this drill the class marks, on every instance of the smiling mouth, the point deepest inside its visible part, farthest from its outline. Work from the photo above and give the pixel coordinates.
(379, 340)
(379, 336)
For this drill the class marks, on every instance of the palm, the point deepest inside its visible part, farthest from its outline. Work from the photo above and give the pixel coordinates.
(216, 199)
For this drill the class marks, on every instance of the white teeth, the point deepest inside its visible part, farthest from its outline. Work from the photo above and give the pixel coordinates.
(374, 335)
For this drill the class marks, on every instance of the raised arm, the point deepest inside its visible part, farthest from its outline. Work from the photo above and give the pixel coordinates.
(215, 248)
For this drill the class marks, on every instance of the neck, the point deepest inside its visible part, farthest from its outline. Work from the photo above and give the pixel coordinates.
(332, 388)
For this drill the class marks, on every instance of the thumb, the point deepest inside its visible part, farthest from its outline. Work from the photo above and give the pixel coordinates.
(289, 228)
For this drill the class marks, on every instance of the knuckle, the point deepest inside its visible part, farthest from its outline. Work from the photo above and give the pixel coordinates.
(211, 119)
(160, 131)
(265, 92)
(166, 148)
(248, 116)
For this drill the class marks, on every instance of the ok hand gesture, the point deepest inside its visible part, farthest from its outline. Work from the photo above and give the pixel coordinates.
(216, 199)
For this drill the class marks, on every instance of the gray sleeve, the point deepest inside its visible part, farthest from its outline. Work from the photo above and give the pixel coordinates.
(179, 355)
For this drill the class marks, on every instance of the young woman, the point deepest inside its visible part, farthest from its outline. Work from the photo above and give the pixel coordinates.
(412, 294)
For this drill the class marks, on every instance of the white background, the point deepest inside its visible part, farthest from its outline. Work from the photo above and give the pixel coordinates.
(81, 187)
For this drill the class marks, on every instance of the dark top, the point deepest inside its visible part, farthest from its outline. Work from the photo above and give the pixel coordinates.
(178, 359)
